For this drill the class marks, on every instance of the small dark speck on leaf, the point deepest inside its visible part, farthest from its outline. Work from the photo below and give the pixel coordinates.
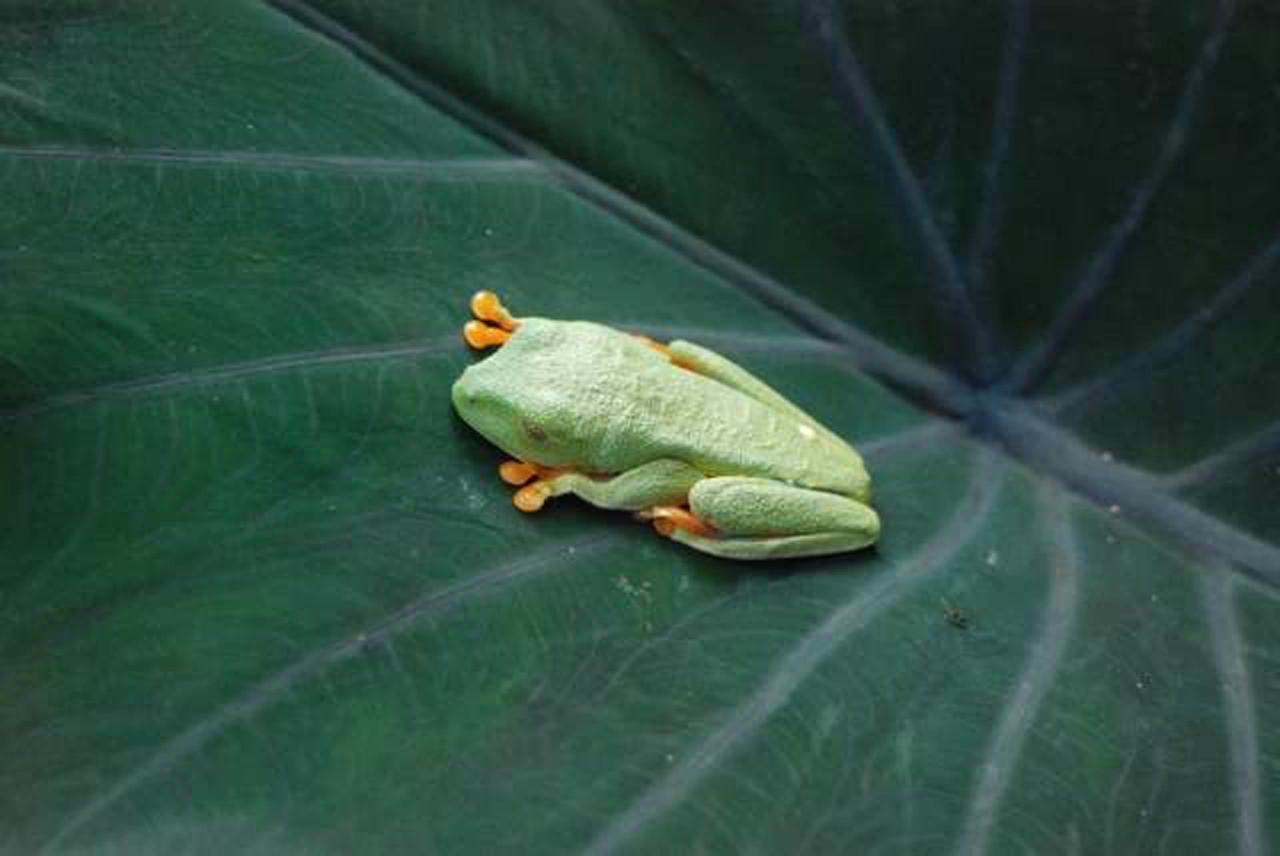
(955, 616)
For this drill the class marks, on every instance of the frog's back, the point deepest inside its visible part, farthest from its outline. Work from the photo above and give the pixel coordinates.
(740, 435)
(643, 408)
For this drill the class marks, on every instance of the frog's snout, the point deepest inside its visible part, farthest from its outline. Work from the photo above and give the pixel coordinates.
(461, 393)
(464, 398)
(471, 402)
(476, 402)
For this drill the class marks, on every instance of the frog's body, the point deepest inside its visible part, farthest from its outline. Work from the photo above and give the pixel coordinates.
(647, 403)
(626, 423)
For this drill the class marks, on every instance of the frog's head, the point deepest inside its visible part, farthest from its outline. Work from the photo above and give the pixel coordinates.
(525, 419)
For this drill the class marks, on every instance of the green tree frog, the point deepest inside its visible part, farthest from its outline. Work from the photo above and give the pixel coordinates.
(676, 433)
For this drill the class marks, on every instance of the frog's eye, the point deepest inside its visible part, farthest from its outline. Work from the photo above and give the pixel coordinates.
(534, 431)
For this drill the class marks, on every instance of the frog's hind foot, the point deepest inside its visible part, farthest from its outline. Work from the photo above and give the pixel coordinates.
(669, 518)
(665, 349)
(493, 325)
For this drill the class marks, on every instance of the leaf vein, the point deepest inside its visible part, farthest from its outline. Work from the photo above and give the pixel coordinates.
(990, 207)
(1258, 445)
(1175, 342)
(1056, 625)
(1217, 594)
(214, 375)
(460, 169)
(855, 89)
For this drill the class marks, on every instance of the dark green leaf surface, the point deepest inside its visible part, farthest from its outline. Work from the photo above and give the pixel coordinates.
(262, 592)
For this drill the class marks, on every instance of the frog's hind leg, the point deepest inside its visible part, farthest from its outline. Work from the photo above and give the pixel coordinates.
(707, 362)
(755, 518)
(493, 325)
(660, 482)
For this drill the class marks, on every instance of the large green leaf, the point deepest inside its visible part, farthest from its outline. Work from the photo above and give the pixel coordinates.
(262, 592)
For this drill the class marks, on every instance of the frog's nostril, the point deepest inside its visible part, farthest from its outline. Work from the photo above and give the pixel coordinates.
(463, 395)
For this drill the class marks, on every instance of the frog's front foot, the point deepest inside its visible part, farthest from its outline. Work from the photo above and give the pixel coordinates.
(658, 483)
(538, 483)
(493, 325)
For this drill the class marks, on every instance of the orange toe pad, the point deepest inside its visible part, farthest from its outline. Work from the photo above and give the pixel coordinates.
(486, 306)
(668, 518)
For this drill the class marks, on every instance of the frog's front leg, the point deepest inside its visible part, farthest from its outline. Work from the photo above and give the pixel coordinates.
(757, 518)
(657, 483)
